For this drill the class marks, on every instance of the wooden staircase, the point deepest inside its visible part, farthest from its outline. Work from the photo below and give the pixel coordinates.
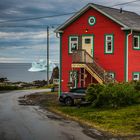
(81, 59)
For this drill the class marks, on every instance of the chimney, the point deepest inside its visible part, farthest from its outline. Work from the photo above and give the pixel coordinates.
(121, 10)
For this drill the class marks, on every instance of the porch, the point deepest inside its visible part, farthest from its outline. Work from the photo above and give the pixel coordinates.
(85, 62)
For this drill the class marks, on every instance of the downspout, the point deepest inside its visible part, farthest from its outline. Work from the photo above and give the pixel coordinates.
(127, 57)
(60, 63)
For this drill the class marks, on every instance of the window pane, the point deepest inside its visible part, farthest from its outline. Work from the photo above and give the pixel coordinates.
(136, 77)
(73, 46)
(109, 46)
(136, 40)
(80, 91)
(109, 37)
(73, 39)
(87, 41)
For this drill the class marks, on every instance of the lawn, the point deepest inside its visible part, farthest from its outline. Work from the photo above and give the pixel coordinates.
(123, 121)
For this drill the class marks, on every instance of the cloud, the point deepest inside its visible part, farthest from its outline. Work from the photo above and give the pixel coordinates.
(19, 44)
(12, 59)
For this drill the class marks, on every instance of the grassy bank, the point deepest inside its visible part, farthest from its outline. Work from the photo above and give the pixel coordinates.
(24, 86)
(122, 121)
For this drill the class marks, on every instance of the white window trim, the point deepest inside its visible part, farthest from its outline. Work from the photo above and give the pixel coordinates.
(70, 37)
(112, 45)
(138, 74)
(136, 47)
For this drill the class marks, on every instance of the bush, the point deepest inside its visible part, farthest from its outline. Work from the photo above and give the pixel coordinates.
(50, 86)
(136, 85)
(113, 95)
(93, 91)
(8, 87)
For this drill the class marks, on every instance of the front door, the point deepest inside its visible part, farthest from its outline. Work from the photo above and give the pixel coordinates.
(87, 44)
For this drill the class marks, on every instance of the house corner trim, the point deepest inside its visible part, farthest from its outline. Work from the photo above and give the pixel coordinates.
(60, 66)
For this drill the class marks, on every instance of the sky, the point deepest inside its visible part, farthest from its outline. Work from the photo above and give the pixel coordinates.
(25, 41)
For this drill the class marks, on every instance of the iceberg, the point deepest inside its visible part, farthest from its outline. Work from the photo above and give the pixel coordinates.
(41, 65)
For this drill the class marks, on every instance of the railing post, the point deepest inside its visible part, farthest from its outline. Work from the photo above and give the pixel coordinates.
(104, 75)
(84, 57)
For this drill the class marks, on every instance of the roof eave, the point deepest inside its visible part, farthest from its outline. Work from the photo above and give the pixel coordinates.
(70, 20)
(134, 29)
(58, 31)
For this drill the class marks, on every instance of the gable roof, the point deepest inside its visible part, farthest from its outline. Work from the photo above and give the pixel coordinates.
(127, 19)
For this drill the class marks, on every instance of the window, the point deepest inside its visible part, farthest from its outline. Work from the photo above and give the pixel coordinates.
(73, 78)
(112, 75)
(136, 76)
(73, 43)
(109, 44)
(136, 42)
(87, 41)
(91, 20)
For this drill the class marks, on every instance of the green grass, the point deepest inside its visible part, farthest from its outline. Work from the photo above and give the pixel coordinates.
(122, 121)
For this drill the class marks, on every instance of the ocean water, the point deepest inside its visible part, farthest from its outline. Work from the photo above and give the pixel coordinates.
(19, 72)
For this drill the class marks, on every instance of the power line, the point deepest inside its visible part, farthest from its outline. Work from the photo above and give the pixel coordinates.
(28, 26)
(25, 35)
(57, 15)
(36, 18)
(125, 3)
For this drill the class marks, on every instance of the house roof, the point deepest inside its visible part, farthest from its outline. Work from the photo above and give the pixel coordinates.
(127, 19)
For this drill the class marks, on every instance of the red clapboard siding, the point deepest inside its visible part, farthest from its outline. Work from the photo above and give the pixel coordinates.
(110, 62)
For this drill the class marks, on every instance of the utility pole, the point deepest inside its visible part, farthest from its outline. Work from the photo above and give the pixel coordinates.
(47, 55)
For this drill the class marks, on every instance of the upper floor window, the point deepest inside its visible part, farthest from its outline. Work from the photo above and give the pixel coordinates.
(136, 42)
(73, 43)
(109, 44)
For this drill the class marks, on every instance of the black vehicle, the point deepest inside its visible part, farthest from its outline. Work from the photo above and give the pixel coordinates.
(68, 98)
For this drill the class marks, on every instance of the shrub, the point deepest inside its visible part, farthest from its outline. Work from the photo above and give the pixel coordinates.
(92, 91)
(113, 95)
(50, 86)
(137, 85)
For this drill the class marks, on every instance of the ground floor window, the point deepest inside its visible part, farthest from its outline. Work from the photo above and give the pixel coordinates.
(73, 79)
(136, 76)
(112, 75)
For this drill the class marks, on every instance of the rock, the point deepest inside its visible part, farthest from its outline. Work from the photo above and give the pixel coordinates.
(55, 74)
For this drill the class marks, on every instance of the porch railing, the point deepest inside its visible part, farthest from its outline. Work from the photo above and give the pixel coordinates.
(81, 56)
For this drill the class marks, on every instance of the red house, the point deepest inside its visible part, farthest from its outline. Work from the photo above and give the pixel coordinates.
(98, 45)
